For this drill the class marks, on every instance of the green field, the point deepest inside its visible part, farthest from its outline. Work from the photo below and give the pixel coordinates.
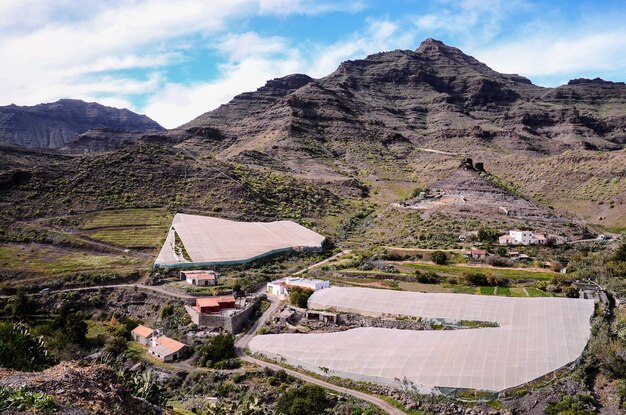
(486, 290)
(129, 228)
(456, 270)
(47, 260)
(139, 237)
(534, 292)
(126, 218)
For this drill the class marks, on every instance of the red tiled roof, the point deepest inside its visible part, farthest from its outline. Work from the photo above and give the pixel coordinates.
(143, 331)
(173, 345)
(214, 301)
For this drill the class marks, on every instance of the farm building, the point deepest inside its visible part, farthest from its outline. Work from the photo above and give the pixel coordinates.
(476, 253)
(530, 238)
(533, 337)
(214, 304)
(168, 349)
(144, 335)
(207, 241)
(200, 278)
(281, 287)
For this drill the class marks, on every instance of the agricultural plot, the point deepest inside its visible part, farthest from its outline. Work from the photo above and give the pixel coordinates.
(457, 270)
(129, 228)
(46, 260)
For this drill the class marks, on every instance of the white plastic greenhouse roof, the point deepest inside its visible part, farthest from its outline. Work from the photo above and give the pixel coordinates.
(535, 336)
(214, 241)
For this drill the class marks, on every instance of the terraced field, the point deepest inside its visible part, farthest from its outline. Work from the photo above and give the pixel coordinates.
(457, 270)
(48, 260)
(129, 228)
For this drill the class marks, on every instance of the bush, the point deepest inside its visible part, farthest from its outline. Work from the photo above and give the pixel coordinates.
(216, 350)
(488, 235)
(305, 400)
(300, 296)
(571, 292)
(22, 399)
(498, 261)
(439, 258)
(20, 350)
(427, 278)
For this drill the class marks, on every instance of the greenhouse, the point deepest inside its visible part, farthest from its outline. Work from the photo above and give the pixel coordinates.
(533, 337)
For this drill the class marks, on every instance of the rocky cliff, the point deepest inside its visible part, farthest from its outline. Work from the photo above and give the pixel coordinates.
(57, 124)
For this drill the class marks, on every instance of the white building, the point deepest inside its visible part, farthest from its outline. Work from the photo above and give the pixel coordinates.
(144, 335)
(202, 278)
(529, 238)
(281, 287)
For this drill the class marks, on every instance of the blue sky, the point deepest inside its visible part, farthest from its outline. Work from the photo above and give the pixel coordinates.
(176, 59)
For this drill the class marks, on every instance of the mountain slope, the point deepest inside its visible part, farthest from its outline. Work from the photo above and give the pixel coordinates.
(57, 124)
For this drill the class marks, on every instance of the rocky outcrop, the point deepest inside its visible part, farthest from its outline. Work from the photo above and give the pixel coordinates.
(58, 124)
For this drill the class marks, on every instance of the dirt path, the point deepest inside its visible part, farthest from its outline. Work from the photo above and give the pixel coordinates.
(323, 262)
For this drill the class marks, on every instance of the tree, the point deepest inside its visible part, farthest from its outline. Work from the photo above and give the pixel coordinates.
(488, 235)
(620, 254)
(20, 305)
(305, 400)
(72, 324)
(216, 350)
(20, 350)
(439, 257)
(300, 296)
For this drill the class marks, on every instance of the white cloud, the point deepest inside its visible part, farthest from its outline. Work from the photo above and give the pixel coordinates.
(542, 56)
(253, 59)
(52, 49)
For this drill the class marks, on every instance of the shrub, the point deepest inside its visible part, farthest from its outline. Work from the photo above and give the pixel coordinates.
(488, 235)
(20, 350)
(439, 258)
(305, 400)
(216, 350)
(571, 292)
(300, 296)
(428, 277)
(23, 399)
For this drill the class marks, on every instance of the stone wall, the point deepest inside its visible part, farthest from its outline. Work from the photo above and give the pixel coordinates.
(232, 324)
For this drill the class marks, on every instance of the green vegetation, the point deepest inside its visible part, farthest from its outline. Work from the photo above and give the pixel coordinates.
(144, 385)
(304, 400)
(23, 399)
(127, 217)
(300, 296)
(218, 352)
(20, 350)
(572, 405)
(456, 270)
(488, 235)
(534, 292)
(47, 260)
(439, 258)
(487, 290)
(147, 237)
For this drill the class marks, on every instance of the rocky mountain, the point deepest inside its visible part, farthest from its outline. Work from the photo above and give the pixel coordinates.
(374, 130)
(435, 96)
(58, 124)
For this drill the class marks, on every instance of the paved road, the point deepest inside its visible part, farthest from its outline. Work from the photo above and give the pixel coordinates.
(244, 340)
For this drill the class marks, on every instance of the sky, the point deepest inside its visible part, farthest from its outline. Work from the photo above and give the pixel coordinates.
(176, 59)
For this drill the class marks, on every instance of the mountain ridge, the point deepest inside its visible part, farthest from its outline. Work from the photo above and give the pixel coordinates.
(57, 124)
